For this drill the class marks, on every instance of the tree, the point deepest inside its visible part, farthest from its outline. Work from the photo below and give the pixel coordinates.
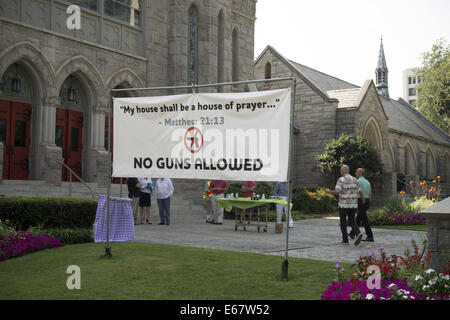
(433, 92)
(356, 153)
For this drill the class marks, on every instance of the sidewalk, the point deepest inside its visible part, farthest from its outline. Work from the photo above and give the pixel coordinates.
(317, 239)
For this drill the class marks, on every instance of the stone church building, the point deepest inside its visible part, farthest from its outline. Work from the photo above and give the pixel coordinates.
(55, 81)
(325, 107)
(55, 84)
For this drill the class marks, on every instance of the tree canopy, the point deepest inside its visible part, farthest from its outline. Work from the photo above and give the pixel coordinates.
(433, 92)
(356, 153)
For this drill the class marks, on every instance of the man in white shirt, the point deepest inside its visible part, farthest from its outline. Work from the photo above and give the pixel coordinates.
(163, 192)
(347, 187)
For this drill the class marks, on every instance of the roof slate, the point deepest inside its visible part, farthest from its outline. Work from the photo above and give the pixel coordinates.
(322, 80)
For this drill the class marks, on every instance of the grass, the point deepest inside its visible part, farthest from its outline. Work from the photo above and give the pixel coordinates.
(415, 227)
(154, 271)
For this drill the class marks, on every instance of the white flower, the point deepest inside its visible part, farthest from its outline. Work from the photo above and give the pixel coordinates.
(418, 277)
(405, 297)
(392, 285)
(429, 271)
(369, 296)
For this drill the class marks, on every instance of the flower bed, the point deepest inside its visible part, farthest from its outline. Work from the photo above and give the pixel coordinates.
(18, 244)
(400, 278)
(383, 218)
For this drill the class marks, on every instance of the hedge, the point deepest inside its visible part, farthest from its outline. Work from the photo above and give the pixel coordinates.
(67, 236)
(307, 200)
(48, 212)
(312, 200)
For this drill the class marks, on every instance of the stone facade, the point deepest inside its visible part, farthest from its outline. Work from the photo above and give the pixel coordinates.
(326, 107)
(315, 115)
(107, 53)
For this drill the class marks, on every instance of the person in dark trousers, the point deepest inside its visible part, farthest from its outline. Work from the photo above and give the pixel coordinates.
(362, 208)
(133, 193)
(347, 187)
(163, 192)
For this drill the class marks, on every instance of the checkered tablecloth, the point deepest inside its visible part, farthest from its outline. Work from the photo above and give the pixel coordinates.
(121, 222)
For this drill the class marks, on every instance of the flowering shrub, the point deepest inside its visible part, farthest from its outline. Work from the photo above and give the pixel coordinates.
(402, 278)
(17, 244)
(382, 218)
(430, 191)
(357, 290)
(431, 284)
(388, 265)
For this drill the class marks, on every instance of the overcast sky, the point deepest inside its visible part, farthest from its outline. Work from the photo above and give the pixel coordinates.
(342, 37)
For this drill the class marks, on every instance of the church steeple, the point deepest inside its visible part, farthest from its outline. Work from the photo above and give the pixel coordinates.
(381, 73)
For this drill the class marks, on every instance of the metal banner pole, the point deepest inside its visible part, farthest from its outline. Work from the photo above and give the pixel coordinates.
(284, 267)
(110, 113)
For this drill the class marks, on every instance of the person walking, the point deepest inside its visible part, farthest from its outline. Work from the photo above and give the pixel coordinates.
(218, 188)
(281, 192)
(248, 189)
(145, 200)
(207, 194)
(361, 217)
(163, 192)
(347, 188)
(133, 193)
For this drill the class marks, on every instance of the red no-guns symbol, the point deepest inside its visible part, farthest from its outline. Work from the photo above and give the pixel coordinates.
(193, 139)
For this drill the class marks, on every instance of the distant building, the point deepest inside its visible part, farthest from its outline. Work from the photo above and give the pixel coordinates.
(410, 81)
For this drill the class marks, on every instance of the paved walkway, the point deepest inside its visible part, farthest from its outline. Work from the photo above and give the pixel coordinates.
(313, 238)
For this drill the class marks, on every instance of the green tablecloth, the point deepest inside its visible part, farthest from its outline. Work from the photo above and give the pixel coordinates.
(246, 203)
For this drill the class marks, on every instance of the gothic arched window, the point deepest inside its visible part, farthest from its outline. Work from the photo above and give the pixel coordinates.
(192, 45)
(268, 70)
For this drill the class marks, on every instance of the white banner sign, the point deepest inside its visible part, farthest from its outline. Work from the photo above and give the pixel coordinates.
(223, 136)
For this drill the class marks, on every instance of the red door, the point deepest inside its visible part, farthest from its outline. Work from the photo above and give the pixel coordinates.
(15, 119)
(113, 180)
(68, 136)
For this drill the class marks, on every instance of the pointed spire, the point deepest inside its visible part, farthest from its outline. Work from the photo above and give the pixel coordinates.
(381, 73)
(381, 58)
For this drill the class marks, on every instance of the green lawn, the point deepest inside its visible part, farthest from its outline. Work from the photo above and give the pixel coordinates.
(153, 271)
(418, 227)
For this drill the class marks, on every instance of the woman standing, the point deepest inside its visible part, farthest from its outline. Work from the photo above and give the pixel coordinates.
(145, 199)
(163, 192)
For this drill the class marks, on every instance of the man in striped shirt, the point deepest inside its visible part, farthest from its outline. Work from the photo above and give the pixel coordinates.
(348, 188)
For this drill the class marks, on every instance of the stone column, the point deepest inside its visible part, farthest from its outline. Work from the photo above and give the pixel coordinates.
(438, 234)
(98, 156)
(422, 167)
(1, 162)
(48, 169)
(401, 159)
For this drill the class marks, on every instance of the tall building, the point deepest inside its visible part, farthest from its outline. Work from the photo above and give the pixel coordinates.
(410, 81)
(55, 79)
